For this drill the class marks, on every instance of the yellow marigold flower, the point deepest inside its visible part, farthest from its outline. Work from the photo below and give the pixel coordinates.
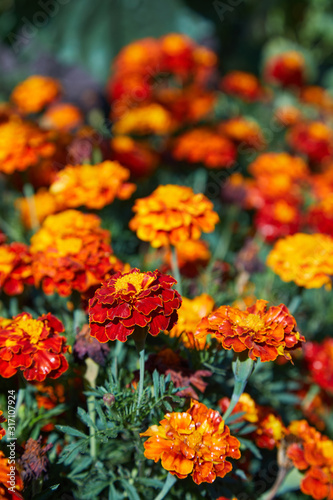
(148, 119)
(172, 214)
(62, 116)
(306, 259)
(43, 203)
(93, 186)
(22, 145)
(34, 93)
(195, 442)
(189, 315)
(272, 164)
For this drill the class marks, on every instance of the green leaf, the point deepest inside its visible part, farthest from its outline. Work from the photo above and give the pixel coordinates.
(153, 483)
(291, 482)
(66, 429)
(85, 418)
(167, 405)
(82, 465)
(246, 443)
(156, 384)
(162, 385)
(130, 489)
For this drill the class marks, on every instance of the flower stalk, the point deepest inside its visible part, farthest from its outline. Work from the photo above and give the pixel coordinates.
(242, 367)
(91, 376)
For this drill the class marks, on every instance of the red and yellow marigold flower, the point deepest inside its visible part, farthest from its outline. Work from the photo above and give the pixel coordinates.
(5, 470)
(15, 268)
(32, 346)
(195, 442)
(314, 139)
(189, 315)
(306, 259)
(319, 358)
(93, 186)
(34, 93)
(312, 453)
(138, 157)
(286, 69)
(265, 332)
(320, 216)
(71, 252)
(43, 203)
(147, 119)
(206, 146)
(172, 214)
(277, 219)
(273, 164)
(243, 131)
(245, 405)
(243, 85)
(22, 145)
(62, 116)
(132, 302)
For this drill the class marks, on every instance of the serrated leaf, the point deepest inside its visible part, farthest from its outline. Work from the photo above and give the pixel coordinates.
(66, 429)
(85, 418)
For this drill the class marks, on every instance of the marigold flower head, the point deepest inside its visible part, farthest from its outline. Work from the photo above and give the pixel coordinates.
(319, 358)
(188, 106)
(62, 116)
(306, 259)
(277, 219)
(273, 164)
(320, 216)
(5, 470)
(189, 315)
(133, 301)
(243, 85)
(33, 346)
(314, 139)
(245, 405)
(195, 442)
(138, 157)
(70, 252)
(15, 268)
(22, 145)
(243, 131)
(138, 56)
(93, 186)
(192, 256)
(34, 93)
(172, 214)
(87, 346)
(286, 69)
(34, 461)
(49, 396)
(287, 115)
(147, 119)
(265, 332)
(206, 146)
(44, 204)
(317, 96)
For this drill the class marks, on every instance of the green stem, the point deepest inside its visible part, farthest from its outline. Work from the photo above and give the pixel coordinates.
(175, 269)
(242, 367)
(169, 482)
(269, 495)
(91, 376)
(141, 379)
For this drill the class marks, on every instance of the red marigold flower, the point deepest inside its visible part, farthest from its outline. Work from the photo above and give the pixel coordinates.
(243, 85)
(319, 357)
(71, 252)
(314, 139)
(33, 346)
(265, 333)
(2, 430)
(172, 214)
(5, 470)
(138, 157)
(277, 219)
(206, 146)
(286, 69)
(34, 93)
(320, 216)
(133, 301)
(195, 442)
(15, 268)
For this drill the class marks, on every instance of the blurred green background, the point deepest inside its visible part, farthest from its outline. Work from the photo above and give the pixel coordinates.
(76, 40)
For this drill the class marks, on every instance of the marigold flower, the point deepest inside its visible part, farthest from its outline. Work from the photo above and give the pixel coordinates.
(243, 131)
(5, 470)
(192, 256)
(44, 204)
(140, 160)
(286, 69)
(148, 119)
(265, 332)
(93, 186)
(63, 116)
(243, 85)
(33, 346)
(306, 259)
(319, 358)
(86, 346)
(22, 145)
(49, 396)
(245, 405)
(317, 96)
(172, 214)
(133, 301)
(189, 315)
(2, 430)
(34, 93)
(34, 461)
(71, 252)
(206, 146)
(277, 219)
(320, 216)
(287, 115)
(272, 164)
(195, 442)
(314, 139)
(15, 268)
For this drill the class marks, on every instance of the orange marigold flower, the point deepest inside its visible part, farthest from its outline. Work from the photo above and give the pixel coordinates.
(245, 405)
(63, 117)
(22, 145)
(130, 302)
(43, 203)
(243, 85)
(5, 480)
(319, 357)
(243, 131)
(286, 69)
(189, 315)
(2, 420)
(314, 139)
(70, 252)
(192, 256)
(287, 115)
(15, 268)
(49, 396)
(195, 442)
(93, 186)
(206, 146)
(149, 119)
(265, 332)
(317, 96)
(273, 164)
(306, 259)
(137, 157)
(172, 214)
(34, 93)
(33, 346)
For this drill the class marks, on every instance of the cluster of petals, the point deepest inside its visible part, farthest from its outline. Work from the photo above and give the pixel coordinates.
(5, 476)
(147, 119)
(22, 145)
(313, 139)
(189, 315)
(286, 69)
(192, 257)
(277, 219)
(34, 93)
(172, 214)
(15, 268)
(70, 252)
(93, 186)
(137, 156)
(32, 346)
(244, 85)
(265, 333)
(317, 96)
(243, 132)
(306, 259)
(273, 164)
(206, 146)
(131, 302)
(319, 358)
(43, 203)
(320, 216)
(63, 116)
(195, 442)
(312, 453)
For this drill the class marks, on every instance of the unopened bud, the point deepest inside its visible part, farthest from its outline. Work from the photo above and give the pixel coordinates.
(109, 399)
